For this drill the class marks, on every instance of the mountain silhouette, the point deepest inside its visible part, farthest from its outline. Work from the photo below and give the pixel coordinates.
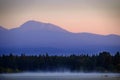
(2, 30)
(37, 37)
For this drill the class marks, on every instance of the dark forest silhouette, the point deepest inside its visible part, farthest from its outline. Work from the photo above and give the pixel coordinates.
(103, 62)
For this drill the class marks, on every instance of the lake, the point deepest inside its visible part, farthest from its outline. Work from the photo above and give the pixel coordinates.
(59, 76)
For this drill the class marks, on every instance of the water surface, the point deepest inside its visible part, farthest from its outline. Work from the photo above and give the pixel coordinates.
(59, 76)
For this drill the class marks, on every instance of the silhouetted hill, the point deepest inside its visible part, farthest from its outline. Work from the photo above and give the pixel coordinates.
(37, 37)
(2, 30)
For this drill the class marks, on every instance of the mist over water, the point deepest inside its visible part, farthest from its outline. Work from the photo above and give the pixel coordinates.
(59, 76)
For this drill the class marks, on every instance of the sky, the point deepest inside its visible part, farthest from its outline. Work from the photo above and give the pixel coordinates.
(94, 16)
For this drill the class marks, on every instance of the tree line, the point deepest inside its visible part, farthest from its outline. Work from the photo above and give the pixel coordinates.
(102, 62)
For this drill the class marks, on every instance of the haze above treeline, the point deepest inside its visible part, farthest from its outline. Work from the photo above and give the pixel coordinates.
(38, 37)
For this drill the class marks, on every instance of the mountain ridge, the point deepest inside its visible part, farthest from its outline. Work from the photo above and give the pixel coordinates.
(34, 21)
(43, 35)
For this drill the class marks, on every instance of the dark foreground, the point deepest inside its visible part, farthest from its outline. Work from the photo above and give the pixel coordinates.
(102, 62)
(60, 76)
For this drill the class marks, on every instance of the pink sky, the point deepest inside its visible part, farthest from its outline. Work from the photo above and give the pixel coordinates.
(72, 15)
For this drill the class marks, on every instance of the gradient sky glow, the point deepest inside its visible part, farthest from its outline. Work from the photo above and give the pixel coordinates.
(94, 16)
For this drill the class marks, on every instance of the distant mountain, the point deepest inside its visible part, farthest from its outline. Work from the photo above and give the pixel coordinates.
(2, 30)
(37, 37)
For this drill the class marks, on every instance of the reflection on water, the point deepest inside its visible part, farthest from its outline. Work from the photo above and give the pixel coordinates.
(60, 76)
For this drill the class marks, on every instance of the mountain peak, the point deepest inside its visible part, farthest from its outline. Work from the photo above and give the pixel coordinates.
(33, 22)
(35, 34)
(38, 26)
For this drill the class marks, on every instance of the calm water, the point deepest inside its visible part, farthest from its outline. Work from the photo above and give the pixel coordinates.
(60, 76)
